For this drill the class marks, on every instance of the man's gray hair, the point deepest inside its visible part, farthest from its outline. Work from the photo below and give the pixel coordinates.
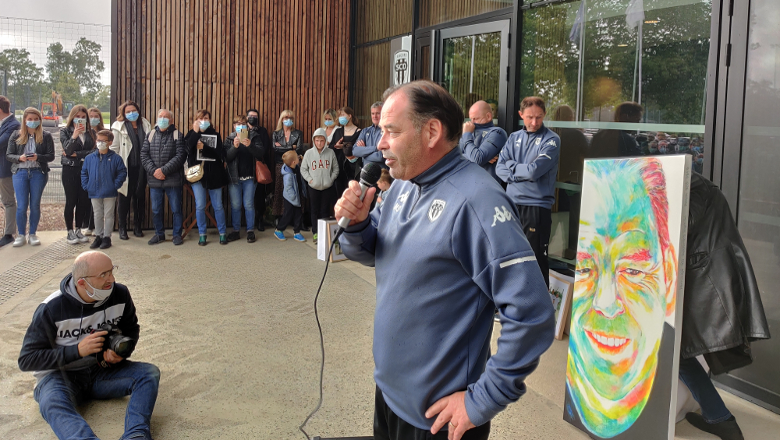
(377, 104)
(168, 112)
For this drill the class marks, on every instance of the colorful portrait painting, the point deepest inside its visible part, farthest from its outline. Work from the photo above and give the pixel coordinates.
(623, 349)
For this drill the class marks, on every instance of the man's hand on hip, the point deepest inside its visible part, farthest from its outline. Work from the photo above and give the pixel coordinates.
(452, 410)
(350, 205)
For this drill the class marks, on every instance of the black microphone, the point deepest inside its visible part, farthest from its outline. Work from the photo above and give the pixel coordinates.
(368, 178)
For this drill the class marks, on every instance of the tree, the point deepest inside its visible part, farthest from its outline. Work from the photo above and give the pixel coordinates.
(87, 66)
(24, 78)
(76, 75)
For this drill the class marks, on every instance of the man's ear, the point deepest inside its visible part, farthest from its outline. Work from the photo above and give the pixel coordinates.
(670, 274)
(432, 132)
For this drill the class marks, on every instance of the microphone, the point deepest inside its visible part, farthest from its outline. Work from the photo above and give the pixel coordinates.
(368, 178)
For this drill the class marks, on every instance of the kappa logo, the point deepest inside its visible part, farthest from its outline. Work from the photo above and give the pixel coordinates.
(553, 143)
(437, 207)
(400, 202)
(502, 215)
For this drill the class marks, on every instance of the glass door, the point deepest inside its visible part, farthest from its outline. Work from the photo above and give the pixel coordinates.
(754, 193)
(473, 65)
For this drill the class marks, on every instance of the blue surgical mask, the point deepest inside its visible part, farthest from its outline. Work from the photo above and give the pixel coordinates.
(343, 120)
(33, 124)
(94, 122)
(353, 160)
(162, 123)
(288, 122)
(329, 123)
(204, 125)
(132, 116)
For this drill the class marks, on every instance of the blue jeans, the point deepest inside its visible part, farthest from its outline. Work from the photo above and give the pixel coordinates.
(174, 199)
(244, 190)
(698, 382)
(58, 394)
(28, 186)
(200, 207)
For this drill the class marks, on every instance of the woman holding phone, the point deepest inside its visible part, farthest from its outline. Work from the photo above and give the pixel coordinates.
(30, 149)
(204, 140)
(344, 138)
(285, 138)
(130, 130)
(78, 140)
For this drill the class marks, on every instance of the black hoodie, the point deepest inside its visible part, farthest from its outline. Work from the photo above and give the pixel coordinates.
(64, 319)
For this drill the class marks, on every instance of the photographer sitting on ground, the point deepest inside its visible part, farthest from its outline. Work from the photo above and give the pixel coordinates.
(74, 358)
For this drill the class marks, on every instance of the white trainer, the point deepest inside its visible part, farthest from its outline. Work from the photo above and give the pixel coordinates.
(32, 239)
(72, 238)
(19, 241)
(88, 233)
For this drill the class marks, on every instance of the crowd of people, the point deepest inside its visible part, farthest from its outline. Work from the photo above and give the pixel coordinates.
(107, 170)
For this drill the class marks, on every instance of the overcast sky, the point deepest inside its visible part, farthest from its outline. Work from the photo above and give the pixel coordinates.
(77, 11)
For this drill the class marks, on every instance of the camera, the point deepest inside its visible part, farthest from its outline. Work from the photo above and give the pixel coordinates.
(121, 345)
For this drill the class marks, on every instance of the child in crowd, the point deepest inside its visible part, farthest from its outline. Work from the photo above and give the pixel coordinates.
(319, 170)
(384, 182)
(291, 212)
(102, 174)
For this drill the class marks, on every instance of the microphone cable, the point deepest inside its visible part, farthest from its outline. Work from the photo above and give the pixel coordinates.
(319, 328)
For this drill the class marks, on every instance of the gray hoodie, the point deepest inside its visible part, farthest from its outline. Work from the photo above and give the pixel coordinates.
(319, 170)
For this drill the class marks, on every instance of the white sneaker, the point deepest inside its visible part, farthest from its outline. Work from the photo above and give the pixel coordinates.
(72, 238)
(81, 238)
(88, 233)
(32, 239)
(19, 241)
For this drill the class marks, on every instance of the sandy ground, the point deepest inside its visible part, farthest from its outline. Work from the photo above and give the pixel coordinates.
(232, 329)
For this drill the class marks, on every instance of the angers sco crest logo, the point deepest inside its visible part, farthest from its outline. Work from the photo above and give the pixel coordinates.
(437, 207)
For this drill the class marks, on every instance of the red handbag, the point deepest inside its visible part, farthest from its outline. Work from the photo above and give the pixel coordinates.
(262, 173)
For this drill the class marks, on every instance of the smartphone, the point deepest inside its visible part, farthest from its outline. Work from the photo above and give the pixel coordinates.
(29, 155)
(243, 134)
(81, 126)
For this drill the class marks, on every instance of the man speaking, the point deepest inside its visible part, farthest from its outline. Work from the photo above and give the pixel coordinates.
(444, 262)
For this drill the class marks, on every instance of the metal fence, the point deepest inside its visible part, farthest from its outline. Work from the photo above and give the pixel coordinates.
(53, 192)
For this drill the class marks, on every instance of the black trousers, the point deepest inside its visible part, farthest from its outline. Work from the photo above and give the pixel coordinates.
(260, 193)
(537, 224)
(75, 198)
(322, 204)
(135, 198)
(388, 426)
(290, 214)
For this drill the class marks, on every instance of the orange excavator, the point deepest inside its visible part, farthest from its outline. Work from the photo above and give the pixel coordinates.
(54, 112)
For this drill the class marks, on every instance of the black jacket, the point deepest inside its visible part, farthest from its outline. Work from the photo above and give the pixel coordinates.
(214, 175)
(264, 141)
(63, 319)
(70, 146)
(44, 150)
(722, 309)
(166, 153)
(241, 160)
(295, 143)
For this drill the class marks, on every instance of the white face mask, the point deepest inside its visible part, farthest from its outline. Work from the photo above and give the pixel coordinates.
(99, 294)
(102, 146)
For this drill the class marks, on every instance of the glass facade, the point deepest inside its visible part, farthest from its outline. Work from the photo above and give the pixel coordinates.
(618, 80)
(469, 65)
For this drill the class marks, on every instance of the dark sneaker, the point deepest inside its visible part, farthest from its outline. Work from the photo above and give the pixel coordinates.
(726, 430)
(96, 244)
(106, 243)
(72, 239)
(202, 241)
(261, 226)
(223, 239)
(123, 234)
(156, 239)
(138, 232)
(177, 240)
(233, 236)
(6, 240)
(250, 237)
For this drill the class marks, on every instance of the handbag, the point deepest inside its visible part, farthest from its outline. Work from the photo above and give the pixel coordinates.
(195, 173)
(262, 173)
(67, 162)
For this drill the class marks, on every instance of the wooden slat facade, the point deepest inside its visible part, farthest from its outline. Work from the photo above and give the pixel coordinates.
(433, 12)
(372, 78)
(376, 20)
(231, 55)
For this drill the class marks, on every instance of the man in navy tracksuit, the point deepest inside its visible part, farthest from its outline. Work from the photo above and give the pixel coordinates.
(64, 348)
(365, 147)
(444, 262)
(528, 163)
(482, 141)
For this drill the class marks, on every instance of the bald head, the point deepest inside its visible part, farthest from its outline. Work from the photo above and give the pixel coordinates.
(480, 113)
(90, 263)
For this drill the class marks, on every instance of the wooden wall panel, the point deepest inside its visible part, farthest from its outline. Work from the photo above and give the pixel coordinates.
(231, 55)
(372, 78)
(433, 12)
(377, 20)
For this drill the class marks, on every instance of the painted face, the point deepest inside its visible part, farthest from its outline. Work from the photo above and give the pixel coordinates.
(401, 143)
(620, 299)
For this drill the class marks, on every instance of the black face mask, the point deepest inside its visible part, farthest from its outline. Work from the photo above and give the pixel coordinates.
(252, 121)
